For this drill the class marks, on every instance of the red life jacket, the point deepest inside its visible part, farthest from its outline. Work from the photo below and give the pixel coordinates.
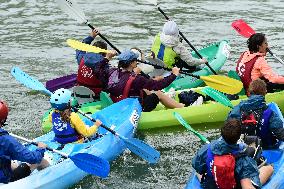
(244, 71)
(125, 90)
(86, 77)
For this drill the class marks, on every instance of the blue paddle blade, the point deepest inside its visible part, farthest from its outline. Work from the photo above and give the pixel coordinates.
(28, 81)
(142, 149)
(91, 164)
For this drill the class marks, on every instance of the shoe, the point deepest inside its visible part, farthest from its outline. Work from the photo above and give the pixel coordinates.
(172, 93)
(198, 102)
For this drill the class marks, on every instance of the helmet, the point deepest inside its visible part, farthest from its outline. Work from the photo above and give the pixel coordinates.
(170, 28)
(3, 111)
(60, 99)
(127, 56)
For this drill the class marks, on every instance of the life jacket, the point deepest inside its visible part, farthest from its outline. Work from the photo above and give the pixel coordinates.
(125, 90)
(86, 77)
(64, 132)
(244, 70)
(256, 123)
(5, 165)
(164, 53)
(221, 168)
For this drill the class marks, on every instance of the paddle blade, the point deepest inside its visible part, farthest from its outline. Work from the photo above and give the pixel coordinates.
(71, 8)
(217, 96)
(85, 47)
(66, 82)
(243, 28)
(223, 83)
(28, 81)
(142, 149)
(91, 164)
(186, 125)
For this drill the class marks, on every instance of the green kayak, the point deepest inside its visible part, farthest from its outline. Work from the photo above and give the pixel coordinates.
(209, 112)
(216, 53)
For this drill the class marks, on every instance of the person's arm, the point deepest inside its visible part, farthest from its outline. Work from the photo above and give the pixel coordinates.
(199, 160)
(276, 126)
(267, 71)
(88, 40)
(80, 126)
(21, 153)
(246, 184)
(185, 55)
(235, 112)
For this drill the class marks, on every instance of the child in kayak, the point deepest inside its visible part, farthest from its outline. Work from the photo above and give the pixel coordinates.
(231, 166)
(257, 119)
(252, 64)
(11, 149)
(124, 83)
(168, 48)
(67, 125)
(87, 74)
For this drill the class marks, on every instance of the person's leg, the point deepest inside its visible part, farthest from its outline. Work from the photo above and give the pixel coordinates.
(247, 184)
(265, 173)
(167, 101)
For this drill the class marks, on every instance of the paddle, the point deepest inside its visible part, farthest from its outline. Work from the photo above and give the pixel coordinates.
(73, 10)
(136, 146)
(154, 2)
(246, 31)
(219, 82)
(66, 82)
(217, 96)
(87, 162)
(186, 125)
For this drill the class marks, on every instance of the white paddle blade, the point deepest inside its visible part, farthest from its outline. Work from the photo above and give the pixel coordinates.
(72, 9)
(154, 2)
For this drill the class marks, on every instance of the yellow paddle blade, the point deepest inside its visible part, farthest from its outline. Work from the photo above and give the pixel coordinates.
(223, 83)
(85, 47)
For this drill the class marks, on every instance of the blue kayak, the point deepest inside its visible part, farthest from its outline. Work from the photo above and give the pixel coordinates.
(122, 117)
(275, 156)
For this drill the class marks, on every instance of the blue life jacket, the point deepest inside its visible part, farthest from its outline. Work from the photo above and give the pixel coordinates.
(5, 164)
(261, 129)
(64, 132)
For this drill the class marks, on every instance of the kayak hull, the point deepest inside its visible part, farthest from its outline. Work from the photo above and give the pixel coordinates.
(64, 173)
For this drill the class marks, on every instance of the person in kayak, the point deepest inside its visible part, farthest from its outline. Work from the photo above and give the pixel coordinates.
(67, 125)
(124, 83)
(257, 119)
(11, 149)
(168, 48)
(229, 162)
(252, 64)
(87, 75)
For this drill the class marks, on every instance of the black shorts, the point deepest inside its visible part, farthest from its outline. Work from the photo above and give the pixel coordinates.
(149, 102)
(20, 172)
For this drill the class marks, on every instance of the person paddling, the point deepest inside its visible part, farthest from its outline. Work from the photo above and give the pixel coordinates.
(11, 149)
(252, 64)
(224, 164)
(67, 125)
(257, 119)
(87, 74)
(168, 48)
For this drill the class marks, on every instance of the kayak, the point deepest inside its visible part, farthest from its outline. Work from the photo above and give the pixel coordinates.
(216, 53)
(275, 156)
(210, 112)
(63, 173)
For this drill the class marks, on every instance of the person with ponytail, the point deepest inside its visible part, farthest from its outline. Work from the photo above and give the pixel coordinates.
(67, 125)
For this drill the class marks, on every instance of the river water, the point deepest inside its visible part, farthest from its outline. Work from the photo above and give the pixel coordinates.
(33, 35)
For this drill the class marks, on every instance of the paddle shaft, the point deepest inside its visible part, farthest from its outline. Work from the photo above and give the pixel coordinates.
(193, 48)
(35, 143)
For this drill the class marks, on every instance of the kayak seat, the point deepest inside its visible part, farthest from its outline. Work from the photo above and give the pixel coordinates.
(83, 95)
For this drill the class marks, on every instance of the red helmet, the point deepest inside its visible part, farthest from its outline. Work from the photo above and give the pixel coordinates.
(3, 111)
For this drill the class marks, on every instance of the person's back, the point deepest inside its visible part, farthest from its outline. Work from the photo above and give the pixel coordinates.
(11, 149)
(211, 162)
(257, 119)
(67, 125)
(168, 48)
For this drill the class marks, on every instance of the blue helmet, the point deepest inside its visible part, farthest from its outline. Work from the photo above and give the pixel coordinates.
(60, 99)
(127, 56)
